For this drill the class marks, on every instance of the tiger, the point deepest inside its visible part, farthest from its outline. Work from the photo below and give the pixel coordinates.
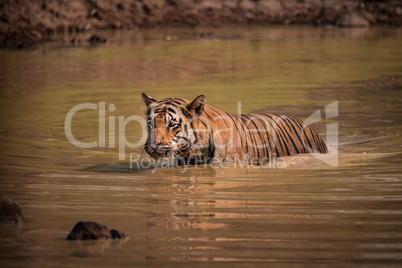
(197, 133)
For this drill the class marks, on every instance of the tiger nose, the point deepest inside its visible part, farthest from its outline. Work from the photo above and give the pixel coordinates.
(154, 146)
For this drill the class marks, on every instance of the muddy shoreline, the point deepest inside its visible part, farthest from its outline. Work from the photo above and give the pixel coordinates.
(26, 22)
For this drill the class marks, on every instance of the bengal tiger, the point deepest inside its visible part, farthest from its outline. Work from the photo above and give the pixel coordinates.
(195, 133)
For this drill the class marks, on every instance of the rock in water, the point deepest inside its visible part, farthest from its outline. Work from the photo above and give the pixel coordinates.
(87, 230)
(114, 234)
(10, 211)
(90, 230)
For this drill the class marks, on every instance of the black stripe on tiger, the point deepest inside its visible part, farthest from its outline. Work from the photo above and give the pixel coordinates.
(289, 133)
(267, 145)
(276, 134)
(245, 137)
(247, 118)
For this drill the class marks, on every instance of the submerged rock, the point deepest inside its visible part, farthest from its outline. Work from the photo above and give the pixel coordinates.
(90, 230)
(10, 211)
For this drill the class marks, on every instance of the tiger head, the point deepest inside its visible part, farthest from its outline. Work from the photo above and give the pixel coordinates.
(170, 126)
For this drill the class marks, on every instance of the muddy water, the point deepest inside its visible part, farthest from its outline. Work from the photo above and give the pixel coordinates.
(345, 208)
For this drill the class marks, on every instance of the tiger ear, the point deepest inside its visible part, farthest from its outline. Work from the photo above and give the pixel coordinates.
(196, 107)
(148, 100)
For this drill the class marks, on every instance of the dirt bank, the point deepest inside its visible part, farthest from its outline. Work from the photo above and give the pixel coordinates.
(24, 22)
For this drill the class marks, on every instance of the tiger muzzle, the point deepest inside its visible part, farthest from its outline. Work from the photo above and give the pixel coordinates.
(155, 149)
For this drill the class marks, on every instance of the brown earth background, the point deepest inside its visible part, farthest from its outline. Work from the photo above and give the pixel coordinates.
(26, 22)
